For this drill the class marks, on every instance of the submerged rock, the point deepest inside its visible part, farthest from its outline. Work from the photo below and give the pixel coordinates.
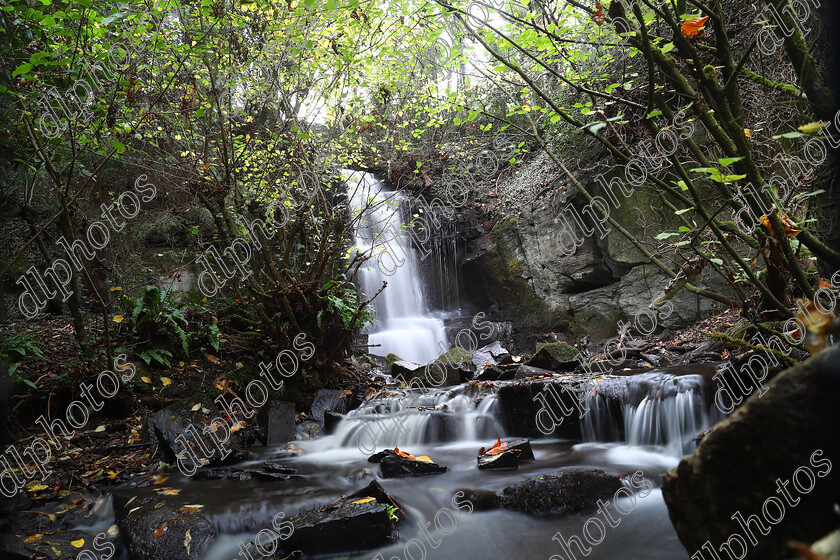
(568, 491)
(776, 450)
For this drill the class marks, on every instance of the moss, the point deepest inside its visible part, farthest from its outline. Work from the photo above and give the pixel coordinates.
(455, 356)
(390, 359)
(560, 351)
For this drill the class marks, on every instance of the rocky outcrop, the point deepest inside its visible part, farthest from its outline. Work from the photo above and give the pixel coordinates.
(773, 458)
(518, 267)
(568, 491)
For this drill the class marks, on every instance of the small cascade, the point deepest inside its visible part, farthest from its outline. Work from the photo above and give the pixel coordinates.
(403, 324)
(412, 418)
(650, 409)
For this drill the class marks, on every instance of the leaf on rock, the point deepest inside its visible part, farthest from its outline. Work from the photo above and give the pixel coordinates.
(187, 541)
(79, 543)
(364, 500)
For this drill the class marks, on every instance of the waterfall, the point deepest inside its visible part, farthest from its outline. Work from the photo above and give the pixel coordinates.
(407, 418)
(653, 408)
(402, 324)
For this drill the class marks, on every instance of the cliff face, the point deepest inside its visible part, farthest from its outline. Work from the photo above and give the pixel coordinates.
(528, 270)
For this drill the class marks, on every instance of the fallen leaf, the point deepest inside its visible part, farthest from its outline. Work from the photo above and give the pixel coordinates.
(33, 537)
(187, 541)
(160, 531)
(694, 26)
(100, 428)
(236, 426)
(748, 133)
(196, 407)
(166, 381)
(824, 284)
(79, 543)
(112, 531)
(145, 380)
(812, 127)
(212, 358)
(191, 507)
(118, 318)
(364, 500)
(37, 487)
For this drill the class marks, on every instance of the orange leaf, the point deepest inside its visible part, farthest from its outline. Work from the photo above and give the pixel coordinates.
(160, 531)
(212, 358)
(824, 284)
(497, 444)
(694, 26)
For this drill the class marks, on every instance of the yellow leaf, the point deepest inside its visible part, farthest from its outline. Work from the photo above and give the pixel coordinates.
(100, 428)
(37, 487)
(196, 407)
(247, 137)
(79, 543)
(181, 364)
(169, 491)
(192, 507)
(118, 318)
(145, 380)
(237, 426)
(364, 501)
(51, 516)
(112, 531)
(747, 132)
(31, 538)
(116, 289)
(166, 381)
(812, 127)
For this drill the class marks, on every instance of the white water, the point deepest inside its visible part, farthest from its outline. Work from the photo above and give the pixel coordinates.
(410, 418)
(403, 324)
(657, 409)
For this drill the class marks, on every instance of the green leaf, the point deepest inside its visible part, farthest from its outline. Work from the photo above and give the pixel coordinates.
(112, 17)
(665, 235)
(667, 47)
(683, 211)
(457, 121)
(554, 119)
(37, 57)
(684, 229)
(119, 146)
(654, 113)
(726, 162)
(22, 69)
(789, 135)
(47, 21)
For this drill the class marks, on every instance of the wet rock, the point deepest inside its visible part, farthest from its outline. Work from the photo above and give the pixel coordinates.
(482, 500)
(342, 527)
(515, 452)
(377, 457)
(656, 360)
(492, 354)
(330, 400)
(523, 372)
(776, 436)
(557, 356)
(406, 369)
(497, 373)
(522, 402)
(275, 468)
(441, 374)
(388, 361)
(331, 420)
(279, 421)
(392, 466)
(195, 433)
(53, 545)
(155, 526)
(221, 473)
(567, 491)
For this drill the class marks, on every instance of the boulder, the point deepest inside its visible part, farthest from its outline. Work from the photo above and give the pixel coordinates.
(331, 421)
(195, 433)
(330, 400)
(787, 437)
(492, 354)
(557, 356)
(393, 465)
(406, 369)
(522, 402)
(568, 491)
(389, 360)
(349, 525)
(279, 421)
(155, 526)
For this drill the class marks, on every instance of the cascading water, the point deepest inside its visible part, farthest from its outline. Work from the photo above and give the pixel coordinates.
(402, 324)
(411, 418)
(656, 409)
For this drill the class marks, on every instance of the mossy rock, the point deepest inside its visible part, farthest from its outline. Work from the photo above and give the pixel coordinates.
(455, 356)
(555, 356)
(390, 359)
